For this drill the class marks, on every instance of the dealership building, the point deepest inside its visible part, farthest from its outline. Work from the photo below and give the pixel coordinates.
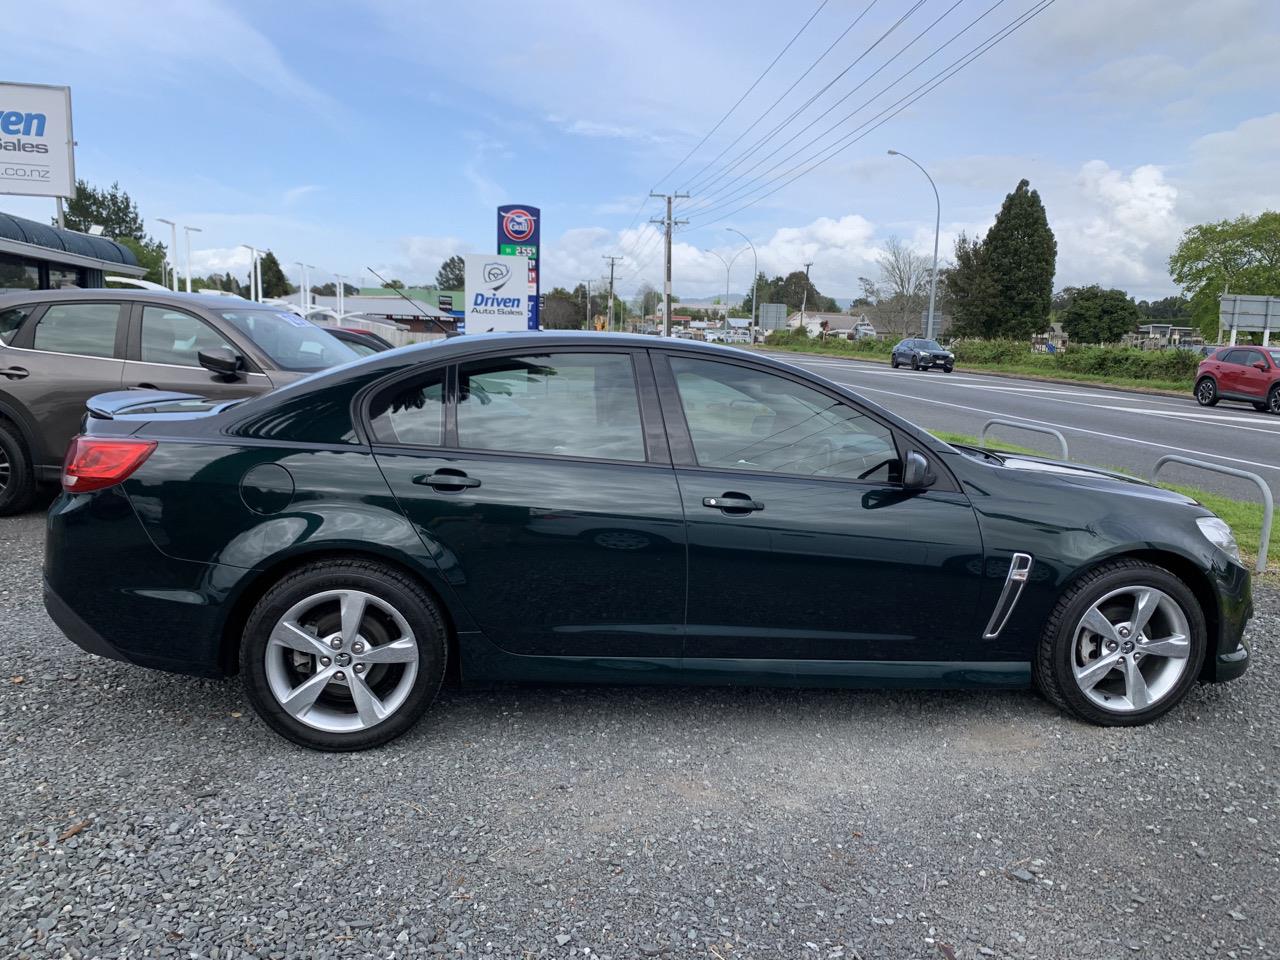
(36, 256)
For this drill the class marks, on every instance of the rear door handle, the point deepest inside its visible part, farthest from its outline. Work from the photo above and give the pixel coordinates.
(15, 373)
(732, 502)
(446, 479)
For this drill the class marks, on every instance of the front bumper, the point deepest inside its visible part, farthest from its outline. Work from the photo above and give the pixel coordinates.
(937, 361)
(1229, 652)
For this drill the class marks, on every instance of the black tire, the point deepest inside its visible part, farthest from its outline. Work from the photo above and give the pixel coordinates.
(1261, 406)
(18, 486)
(915, 363)
(1052, 666)
(1273, 399)
(389, 585)
(948, 369)
(1206, 392)
(893, 361)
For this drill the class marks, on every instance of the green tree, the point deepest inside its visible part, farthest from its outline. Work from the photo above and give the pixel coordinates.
(1095, 315)
(1231, 256)
(452, 274)
(1166, 308)
(971, 292)
(1019, 254)
(561, 310)
(393, 285)
(113, 210)
(274, 282)
(150, 254)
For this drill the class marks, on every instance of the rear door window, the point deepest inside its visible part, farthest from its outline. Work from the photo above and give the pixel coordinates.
(560, 404)
(410, 413)
(83, 329)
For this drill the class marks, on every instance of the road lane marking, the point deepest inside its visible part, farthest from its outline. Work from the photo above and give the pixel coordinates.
(1063, 426)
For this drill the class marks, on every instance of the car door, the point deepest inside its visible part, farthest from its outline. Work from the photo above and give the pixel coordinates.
(803, 543)
(1253, 382)
(62, 356)
(163, 354)
(548, 497)
(1231, 372)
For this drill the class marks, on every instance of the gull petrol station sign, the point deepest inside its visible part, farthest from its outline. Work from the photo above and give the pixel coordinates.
(518, 233)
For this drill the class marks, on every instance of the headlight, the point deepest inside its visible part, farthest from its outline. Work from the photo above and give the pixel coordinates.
(1217, 532)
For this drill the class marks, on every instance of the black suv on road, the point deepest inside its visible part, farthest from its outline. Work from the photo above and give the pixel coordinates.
(921, 354)
(60, 347)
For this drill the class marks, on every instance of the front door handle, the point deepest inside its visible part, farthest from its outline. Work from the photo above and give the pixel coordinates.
(732, 503)
(15, 373)
(446, 480)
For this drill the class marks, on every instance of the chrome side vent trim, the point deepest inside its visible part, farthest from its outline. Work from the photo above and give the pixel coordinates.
(1019, 570)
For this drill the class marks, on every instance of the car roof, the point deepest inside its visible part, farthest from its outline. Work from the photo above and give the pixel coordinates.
(171, 297)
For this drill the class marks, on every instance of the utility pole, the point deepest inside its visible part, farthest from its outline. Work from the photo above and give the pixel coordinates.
(668, 223)
(612, 260)
(804, 301)
(587, 286)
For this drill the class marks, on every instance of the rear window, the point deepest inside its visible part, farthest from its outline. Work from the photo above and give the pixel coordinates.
(11, 321)
(83, 329)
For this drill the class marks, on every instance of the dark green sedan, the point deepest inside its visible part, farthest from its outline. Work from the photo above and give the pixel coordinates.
(592, 507)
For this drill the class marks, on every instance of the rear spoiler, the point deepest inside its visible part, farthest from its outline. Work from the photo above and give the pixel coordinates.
(107, 406)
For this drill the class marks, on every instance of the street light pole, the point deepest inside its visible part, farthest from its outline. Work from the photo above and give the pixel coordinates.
(340, 291)
(728, 266)
(755, 276)
(253, 271)
(937, 229)
(189, 231)
(173, 250)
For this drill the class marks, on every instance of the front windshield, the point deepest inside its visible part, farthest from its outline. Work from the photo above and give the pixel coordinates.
(291, 342)
(928, 345)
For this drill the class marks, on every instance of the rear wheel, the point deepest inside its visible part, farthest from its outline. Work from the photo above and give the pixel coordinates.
(1123, 645)
(343, 655)
(1206, 392)
(17, 478)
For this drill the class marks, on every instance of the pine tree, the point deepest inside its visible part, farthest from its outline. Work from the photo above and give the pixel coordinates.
(452, 274)
(1020, 254)
(971, 292)
(274, 282)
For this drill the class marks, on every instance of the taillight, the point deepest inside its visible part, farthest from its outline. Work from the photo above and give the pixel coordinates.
(96, 462)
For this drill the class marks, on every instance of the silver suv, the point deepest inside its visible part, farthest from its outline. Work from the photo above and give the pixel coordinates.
(60, 347)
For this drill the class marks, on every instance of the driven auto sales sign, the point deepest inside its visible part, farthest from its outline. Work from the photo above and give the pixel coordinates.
(37, 150)
(497, 300)
(518, 232)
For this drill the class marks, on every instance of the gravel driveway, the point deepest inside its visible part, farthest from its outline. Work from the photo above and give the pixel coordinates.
(151, 815)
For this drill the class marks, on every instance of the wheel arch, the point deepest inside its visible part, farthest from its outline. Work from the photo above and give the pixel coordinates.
(267, 576)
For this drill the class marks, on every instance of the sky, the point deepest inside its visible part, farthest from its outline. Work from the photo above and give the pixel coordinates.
(384, 133)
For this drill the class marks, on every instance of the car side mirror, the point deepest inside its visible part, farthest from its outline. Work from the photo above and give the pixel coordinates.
(916, 474)
(1260, 364)
(223, 361)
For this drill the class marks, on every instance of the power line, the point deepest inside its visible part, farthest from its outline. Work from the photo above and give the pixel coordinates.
(705, 189)
(879, 119)
(738, 103)
(726, 192)
(692, 185)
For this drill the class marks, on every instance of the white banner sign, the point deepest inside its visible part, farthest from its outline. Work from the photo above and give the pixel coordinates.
(497, 291)
(37, 149)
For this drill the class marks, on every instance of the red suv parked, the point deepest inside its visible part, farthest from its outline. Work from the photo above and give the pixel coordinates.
(1251, 374)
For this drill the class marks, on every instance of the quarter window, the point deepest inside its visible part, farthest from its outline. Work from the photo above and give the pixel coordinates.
(744, 419)
(562, 404)
(411, 413)
(86, 329)
(176, 338)
(11, 320)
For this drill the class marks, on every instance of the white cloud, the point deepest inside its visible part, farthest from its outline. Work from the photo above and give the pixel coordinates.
(294, 194)
(423, 255)
(220, 260)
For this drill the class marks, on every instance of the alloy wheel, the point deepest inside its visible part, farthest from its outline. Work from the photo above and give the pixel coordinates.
(1273, 400)
(6, 469)
(1205, 392)
(341, 661)
(1130, 649)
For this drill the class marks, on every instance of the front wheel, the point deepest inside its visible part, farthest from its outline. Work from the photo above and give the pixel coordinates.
(948, 369)
(1206, 392)
(343, 655)
(893, 361)
(1273, 399)
(17, 479)
(1123, 645)
(915, 363)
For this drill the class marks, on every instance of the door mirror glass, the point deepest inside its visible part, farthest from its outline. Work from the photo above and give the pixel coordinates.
(220, 360)
(916, 474)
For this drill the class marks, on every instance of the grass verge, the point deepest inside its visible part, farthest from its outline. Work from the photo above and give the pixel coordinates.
(1244, 516)
(1034, 371)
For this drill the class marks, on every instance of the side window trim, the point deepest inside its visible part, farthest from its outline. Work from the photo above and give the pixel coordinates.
(681, 440)
(26, 333)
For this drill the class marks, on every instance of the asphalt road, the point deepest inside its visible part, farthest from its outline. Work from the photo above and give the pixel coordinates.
(150, 815)
(1111, 428)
